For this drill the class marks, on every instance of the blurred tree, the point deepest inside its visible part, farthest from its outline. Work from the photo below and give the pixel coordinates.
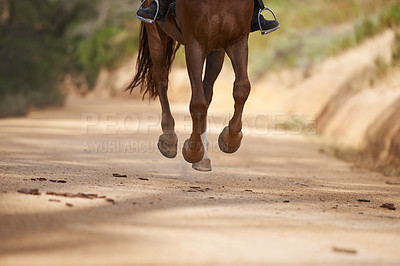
(43, 40)
(33, 51)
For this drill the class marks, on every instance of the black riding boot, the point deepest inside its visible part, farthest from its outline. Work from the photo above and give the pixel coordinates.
(150, 11)
(266, 25)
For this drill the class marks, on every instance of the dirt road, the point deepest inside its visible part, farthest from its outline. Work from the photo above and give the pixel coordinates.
(278, 200)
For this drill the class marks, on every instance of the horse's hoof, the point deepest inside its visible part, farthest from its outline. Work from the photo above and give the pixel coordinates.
(227, 143)
(193, 154)
(168, 144)
(203, 166)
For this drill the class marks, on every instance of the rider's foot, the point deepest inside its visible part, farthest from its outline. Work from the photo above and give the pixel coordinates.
(266, 25)
(150, 11)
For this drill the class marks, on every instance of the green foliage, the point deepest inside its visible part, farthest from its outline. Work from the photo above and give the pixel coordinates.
(105, 48)
(386, 18)
(96, 52)
(107, 41)
(365, 29)
(43, 40)
(312, 30)
(396, 49)
(33, 53)
(390, 17)
(295, 123)
(341, 44)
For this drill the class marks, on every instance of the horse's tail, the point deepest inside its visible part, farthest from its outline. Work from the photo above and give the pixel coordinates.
(143, 77)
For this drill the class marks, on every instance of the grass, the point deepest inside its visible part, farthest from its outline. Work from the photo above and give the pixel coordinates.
(43, 40)
(295, 123)
(396, 49)
(313, 30)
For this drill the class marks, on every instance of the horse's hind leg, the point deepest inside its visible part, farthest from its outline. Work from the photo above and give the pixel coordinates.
(215, 60)
(168, 141)
(231, 137)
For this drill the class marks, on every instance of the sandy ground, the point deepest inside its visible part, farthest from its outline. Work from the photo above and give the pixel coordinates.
(277, 201)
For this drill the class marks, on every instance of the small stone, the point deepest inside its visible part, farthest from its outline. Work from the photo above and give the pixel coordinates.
(363, 200)
(54, 200)
(118, 175)
(344, 250)
(69, 205)
(111, 201)
(389, 206)
(29, 191)
(393, 183)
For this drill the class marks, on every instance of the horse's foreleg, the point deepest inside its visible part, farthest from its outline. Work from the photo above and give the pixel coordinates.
(215, 61)
(168, 141)
(193, 149)
(231, 137)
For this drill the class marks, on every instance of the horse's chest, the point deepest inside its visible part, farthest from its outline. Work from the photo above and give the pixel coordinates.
(218, 31)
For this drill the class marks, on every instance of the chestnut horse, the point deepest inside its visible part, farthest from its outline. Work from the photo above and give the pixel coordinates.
(208, 29)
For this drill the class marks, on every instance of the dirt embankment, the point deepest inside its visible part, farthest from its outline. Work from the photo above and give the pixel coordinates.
(354, 96)
(356, 99)
(364, 110)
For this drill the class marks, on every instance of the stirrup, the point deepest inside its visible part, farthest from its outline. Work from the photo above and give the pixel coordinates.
(263, 32)
(151, 21)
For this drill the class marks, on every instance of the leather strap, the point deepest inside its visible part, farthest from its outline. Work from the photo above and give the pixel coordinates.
(259, 3)
(171, 9)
